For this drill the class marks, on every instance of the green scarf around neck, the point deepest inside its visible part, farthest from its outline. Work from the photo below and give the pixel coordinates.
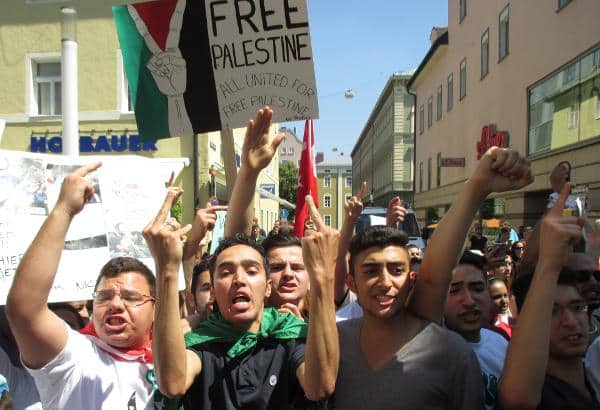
(216, 329)
(273, 325)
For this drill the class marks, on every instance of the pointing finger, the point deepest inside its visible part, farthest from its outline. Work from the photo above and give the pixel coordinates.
(559, 206)
(314, 213)
(172, 195)
(86, 169)
(361, 194)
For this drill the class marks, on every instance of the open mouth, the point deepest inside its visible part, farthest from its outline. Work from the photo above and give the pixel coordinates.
(574, 338)
(384, 300)
(287, 287)
(471, 316)
(240, 302)
(115, 323)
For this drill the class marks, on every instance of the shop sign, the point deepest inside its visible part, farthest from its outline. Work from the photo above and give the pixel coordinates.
(103, 143)
(490, 138)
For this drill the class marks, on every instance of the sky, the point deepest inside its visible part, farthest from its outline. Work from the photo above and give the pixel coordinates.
(358, 45)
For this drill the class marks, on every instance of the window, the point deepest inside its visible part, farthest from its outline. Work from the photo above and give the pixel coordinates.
(421, 176)
(439, 104)
(438, 175)
(213, 146)
(291, 150)
(485, 52)
(463, 78)
(450, 92)
(562, 3)
(430, 112)
(348, 182)
(283, 151)
(503, 33)
(462, 10)
(429, 170)
(327, 220)
(327, 182)
(421, 119)
(46, 86)
(563, 107)
(573, 116)
(327, 201)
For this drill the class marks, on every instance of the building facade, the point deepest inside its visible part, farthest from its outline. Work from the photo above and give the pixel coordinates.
(384, 153)
(290, 148)
(524, 75)
(30, 70)
(334, 177)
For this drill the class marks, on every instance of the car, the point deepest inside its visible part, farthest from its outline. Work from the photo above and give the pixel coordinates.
(373, 216)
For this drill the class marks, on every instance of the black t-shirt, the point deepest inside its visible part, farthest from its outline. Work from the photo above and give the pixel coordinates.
(263, 378)
(478, 243)
(560, 395)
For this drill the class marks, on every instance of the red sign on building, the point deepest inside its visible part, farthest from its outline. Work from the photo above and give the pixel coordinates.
(490, 138)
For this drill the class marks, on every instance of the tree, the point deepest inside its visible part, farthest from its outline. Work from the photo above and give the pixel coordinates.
(288, 184)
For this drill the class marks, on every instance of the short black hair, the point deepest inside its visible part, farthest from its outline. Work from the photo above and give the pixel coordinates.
(411, 245)
(521, 284)
(280, 240)
(200, 267)
(237, 239)
(125, 264)
(473, 259)
(376, 236)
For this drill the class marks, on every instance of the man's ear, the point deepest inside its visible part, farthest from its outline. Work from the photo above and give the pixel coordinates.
(351, 283)
(191, 303)
(268, 288)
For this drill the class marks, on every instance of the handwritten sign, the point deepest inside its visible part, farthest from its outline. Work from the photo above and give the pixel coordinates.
(199, 66)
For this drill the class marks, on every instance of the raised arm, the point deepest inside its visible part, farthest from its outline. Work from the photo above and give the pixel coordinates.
(352, 210)
(527, 356)
(40, 334)
(499, 170)
(257, 152)
(175, 366)
(318, 373)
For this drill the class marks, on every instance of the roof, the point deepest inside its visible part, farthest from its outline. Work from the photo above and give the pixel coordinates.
(440, 41)
(336, 160)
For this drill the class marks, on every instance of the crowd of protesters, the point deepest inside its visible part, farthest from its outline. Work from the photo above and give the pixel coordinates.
(335, 319)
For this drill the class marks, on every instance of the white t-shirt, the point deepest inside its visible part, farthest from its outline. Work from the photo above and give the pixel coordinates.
(83, 376)
(20, 385)
(592, 365)
(350, 311)
(490, 351)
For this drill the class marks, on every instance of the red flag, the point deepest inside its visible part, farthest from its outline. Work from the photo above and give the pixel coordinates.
(307, 179)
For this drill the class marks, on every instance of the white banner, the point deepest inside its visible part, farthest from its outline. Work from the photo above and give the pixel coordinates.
(129, 191)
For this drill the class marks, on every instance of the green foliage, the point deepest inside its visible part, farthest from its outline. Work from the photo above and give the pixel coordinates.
(288, 184)
(177, 211)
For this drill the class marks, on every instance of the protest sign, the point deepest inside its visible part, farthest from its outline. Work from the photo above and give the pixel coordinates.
(128, 193)
(218, 231)
(199, 66)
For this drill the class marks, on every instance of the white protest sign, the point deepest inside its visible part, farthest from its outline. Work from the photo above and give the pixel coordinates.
(128, 193)
(261, 55)
(218, 231)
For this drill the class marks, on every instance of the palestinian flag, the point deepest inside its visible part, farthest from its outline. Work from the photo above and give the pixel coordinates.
(163, 43)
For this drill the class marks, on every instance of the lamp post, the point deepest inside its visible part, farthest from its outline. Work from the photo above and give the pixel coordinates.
(213, 185)
(70, 113)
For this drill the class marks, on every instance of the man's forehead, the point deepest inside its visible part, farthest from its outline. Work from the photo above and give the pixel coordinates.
(125, 279)
(282, 253)
(567, 294)
(383, 255)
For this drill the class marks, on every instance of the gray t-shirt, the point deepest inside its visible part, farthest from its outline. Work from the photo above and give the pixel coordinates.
(437, 369)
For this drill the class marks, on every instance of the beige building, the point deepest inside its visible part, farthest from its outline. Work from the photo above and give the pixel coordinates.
(30, 101)
(524, 74)
(290, 148)
(383, 155)
(334, 177)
